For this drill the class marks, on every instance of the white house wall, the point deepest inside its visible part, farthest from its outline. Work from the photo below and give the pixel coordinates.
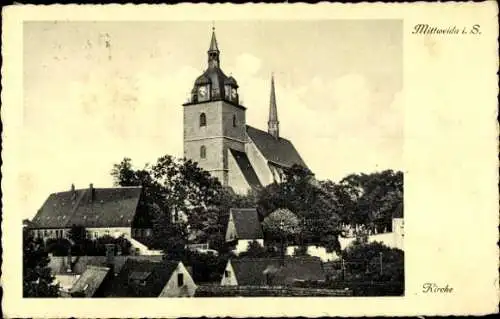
(398, 230)
(231, 229)
(231, 279)
(172, 288)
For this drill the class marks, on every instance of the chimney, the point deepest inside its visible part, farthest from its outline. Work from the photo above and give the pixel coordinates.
(92, 192)
(73, 192)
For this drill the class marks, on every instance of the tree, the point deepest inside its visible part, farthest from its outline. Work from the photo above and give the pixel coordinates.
(372, 198)
(300, 192)
(37, 278)
(173, 188)
(376, 262)
(281, 224)
(78, 238)
(178, 187)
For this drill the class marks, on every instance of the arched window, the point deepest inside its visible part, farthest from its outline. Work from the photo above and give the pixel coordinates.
(203, 151)
(234, 120)
(203, 119)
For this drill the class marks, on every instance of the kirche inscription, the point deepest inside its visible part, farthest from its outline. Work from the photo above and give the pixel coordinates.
(431, 287)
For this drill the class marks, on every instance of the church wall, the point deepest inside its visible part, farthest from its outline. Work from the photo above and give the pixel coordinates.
(213, 113)
(236, 179)
(237, 132)
(259, 163)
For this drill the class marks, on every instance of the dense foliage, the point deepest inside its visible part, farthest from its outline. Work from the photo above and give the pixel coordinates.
(177, 189)
(37, 278)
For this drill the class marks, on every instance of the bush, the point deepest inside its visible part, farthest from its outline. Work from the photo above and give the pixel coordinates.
(300, 251)
(57, 247)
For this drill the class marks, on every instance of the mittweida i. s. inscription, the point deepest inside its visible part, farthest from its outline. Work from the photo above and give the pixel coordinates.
(431, 287)
(426, 29)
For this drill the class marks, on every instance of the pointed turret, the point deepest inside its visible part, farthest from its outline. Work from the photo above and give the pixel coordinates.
(213, 51)
(273, 123)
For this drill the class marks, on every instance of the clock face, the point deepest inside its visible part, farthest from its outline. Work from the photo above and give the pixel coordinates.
(233, 93)
(202, 91)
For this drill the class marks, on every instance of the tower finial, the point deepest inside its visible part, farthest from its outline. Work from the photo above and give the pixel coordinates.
(273, 123)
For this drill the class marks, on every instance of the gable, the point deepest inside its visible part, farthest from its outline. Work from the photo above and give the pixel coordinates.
(172, 288)
(276, 150)
(100, 207)
(155, 276)
(231, 229)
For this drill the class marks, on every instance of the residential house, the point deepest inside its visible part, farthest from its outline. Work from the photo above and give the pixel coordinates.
(272, 271)
(243, 227)
(122, 276)
(115, 212)
(91, 282)
(145, 278)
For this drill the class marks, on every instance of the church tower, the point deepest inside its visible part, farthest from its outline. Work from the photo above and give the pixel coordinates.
(214, 120)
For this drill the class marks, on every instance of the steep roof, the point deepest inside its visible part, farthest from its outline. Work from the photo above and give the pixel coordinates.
(247, 224)
(276, 150)
(154, 275)
(90, 281)
(247, 169)
(99, 207)
(252, 271)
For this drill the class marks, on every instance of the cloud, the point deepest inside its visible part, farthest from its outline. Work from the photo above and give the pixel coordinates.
(247, 64)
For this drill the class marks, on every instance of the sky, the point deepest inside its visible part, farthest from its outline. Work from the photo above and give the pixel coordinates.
(95, 93)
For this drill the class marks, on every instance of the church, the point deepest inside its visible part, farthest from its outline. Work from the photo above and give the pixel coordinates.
(217, 137)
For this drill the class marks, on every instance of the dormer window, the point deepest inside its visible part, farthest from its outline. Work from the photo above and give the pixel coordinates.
(139, 278)
(203, 120)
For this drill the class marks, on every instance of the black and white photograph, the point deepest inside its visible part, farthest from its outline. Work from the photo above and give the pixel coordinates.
(256, 160)
(214, 159)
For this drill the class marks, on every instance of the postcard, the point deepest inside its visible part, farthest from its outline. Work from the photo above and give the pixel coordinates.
(250, 160)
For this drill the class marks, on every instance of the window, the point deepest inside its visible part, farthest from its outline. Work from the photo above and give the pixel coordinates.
(234, 120)
(227, 273)
(203, 119)
(180, 280)
(203, 151)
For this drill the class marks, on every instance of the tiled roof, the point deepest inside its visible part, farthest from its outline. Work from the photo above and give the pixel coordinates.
(246, 222)
(252, 271)
(278, 151)
(125, 284)
(59, 264)
(108, 207)
(247, 169)
(90, 281)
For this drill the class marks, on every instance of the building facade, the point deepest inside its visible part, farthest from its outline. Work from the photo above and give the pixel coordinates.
(102, 212)
(217, 137)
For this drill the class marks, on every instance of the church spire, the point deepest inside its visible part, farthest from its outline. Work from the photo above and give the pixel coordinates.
(213, 51)
(273, 123)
